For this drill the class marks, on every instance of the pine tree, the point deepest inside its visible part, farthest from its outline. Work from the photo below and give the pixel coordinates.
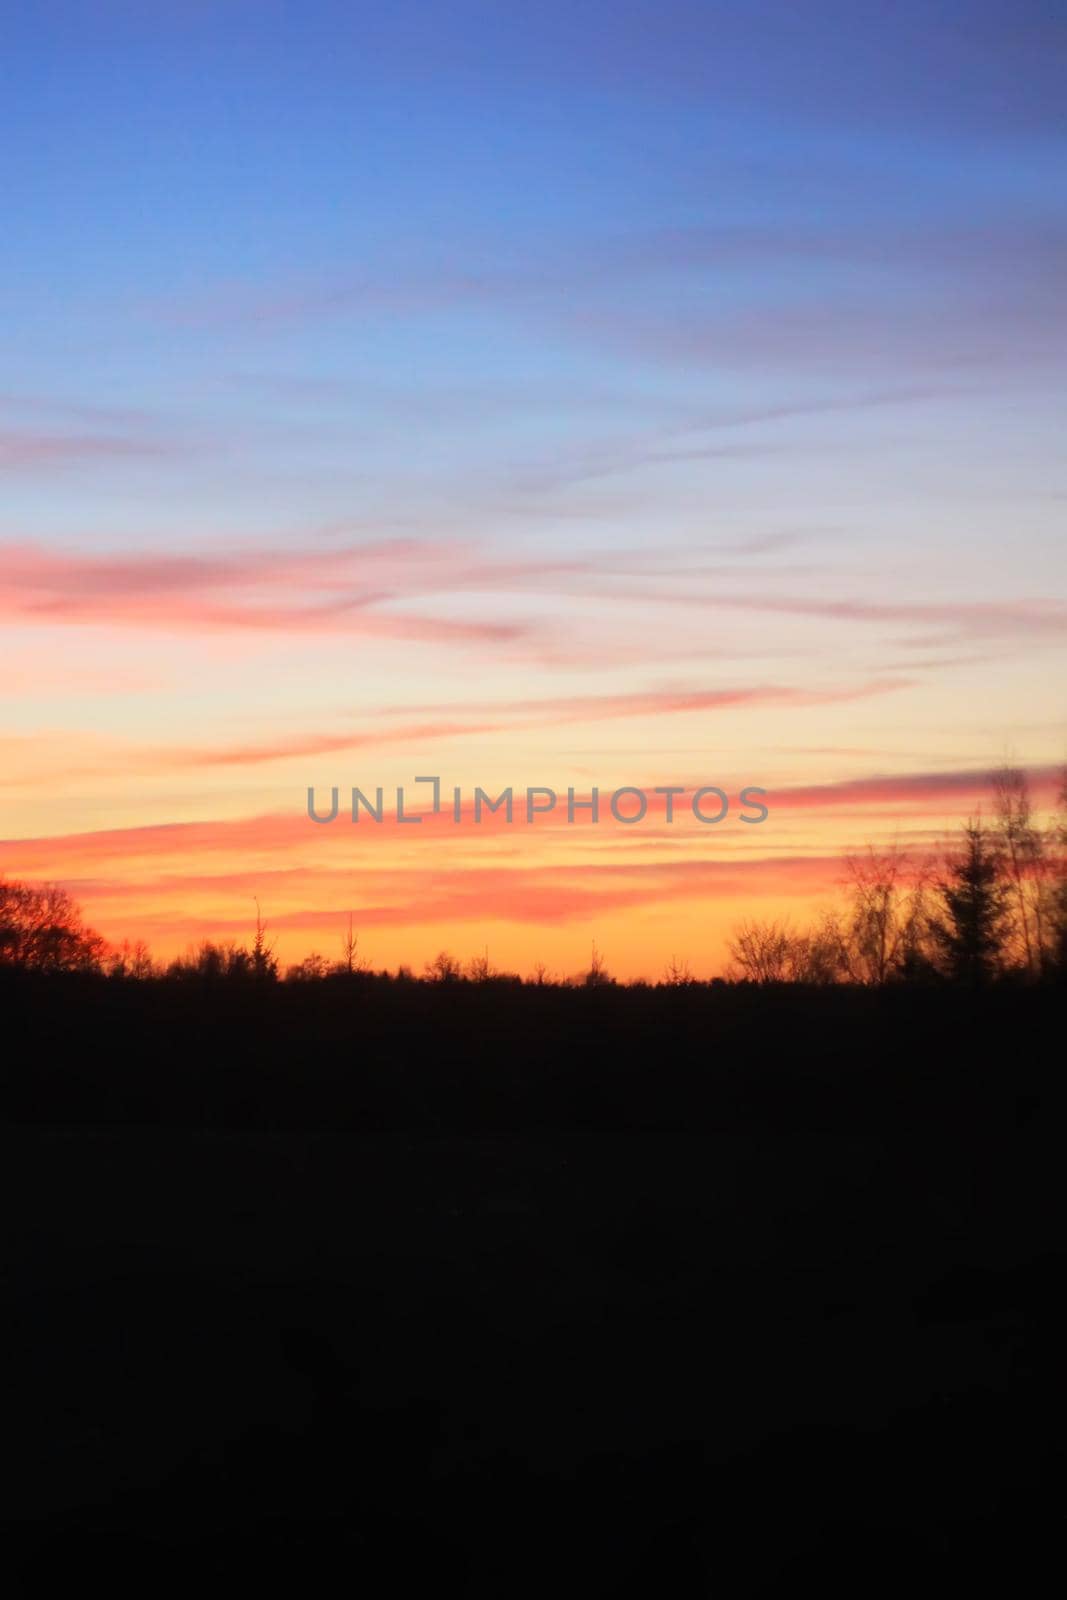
(971, 928)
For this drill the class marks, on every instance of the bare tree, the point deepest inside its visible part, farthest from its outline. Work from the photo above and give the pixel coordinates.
(444, 968)
(917, 947)
(1021, 848)
(41, 928)
(479, 969)
(351, 961)
(313, 967)
(598, 975)
(141, 963)
(820, 955)
(1056, 884)
(761, 951)
(131, 961)
(875, 892)
(677, 973)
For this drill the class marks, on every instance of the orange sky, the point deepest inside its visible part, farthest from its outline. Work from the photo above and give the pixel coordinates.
(177, 841)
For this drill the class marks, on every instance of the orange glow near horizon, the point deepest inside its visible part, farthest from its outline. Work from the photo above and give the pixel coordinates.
(528, 893)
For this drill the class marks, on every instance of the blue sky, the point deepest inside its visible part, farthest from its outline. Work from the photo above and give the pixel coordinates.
(439, 236)
(283, 267)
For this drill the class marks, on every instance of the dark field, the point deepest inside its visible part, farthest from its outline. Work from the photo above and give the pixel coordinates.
(502, 1293)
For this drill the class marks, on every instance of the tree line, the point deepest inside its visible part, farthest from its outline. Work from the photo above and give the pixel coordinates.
(992, 906)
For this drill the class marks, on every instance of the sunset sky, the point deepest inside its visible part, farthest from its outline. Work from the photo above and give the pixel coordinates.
(579, 393)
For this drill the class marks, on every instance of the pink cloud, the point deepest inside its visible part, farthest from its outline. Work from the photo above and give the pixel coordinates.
(516, 714)
(946, 789)
(366, 588)
(337, 589)
(416, 895)
(973, 619)
(952, 791)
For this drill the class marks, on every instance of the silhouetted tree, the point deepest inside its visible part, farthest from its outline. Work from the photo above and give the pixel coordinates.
(313, 967)
(1057, 885)
(444, 968)
(41, 929)
(971, 923)
(677, 973)
(917, 954)
(761, 951)
(351, 963)
(478, 968)
(211, 962)
(1021, 847)
(131, 961)
(875, 891)
(820, 955)
(598, 975)
(887, 932)
(264, 962)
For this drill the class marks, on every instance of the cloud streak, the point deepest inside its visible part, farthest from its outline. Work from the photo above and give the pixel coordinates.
(936, 793)
(22, 449)
(478, 719)
(361, 587)
(272, 591)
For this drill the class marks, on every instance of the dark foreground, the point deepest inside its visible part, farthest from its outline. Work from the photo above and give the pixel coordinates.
(512, 1294)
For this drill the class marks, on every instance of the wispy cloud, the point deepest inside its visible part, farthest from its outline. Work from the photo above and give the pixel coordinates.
(977, 619)
(567, 285)
(299, 591)
(25, 448)
(468, 720)
(936, 794)
(961, 787)
(386, 589)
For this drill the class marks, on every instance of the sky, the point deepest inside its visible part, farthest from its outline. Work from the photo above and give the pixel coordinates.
(575, 394)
